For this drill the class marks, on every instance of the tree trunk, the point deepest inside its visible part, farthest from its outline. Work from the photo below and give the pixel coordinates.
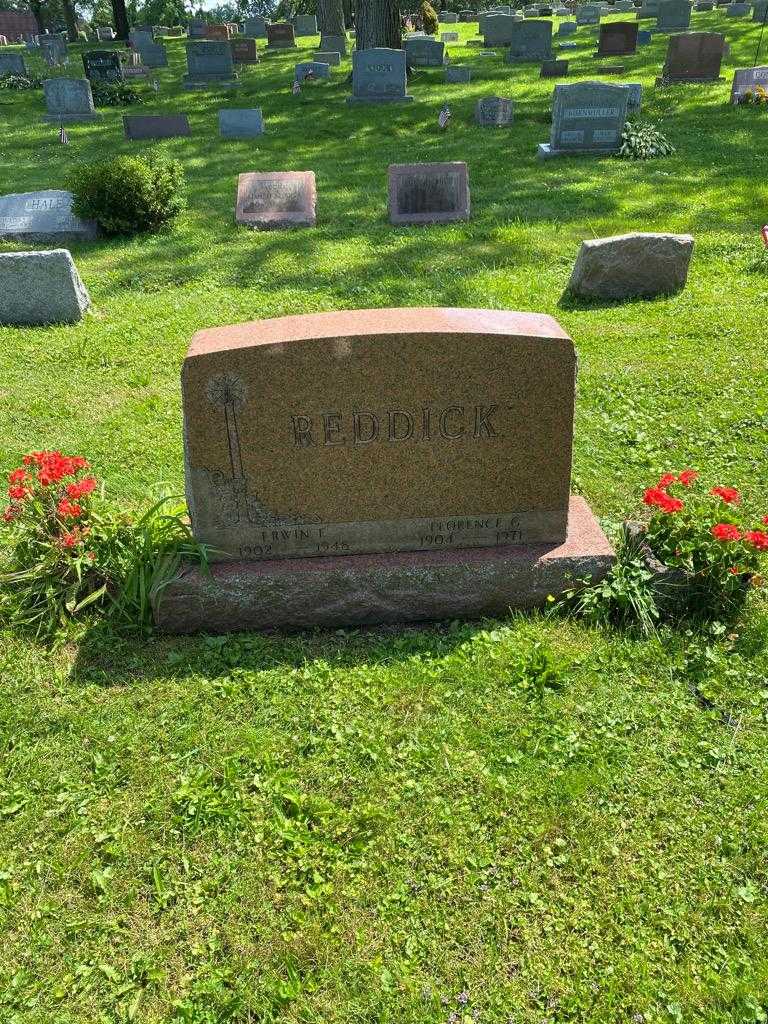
(378, 24)
(120, 18)
(41, 14)
(330, 17)
(70, 21)
(349, 20)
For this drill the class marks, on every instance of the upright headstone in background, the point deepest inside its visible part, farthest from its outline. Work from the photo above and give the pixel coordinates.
(567, 28)
(256, 27)
(280, 36)
(13, 64)
(378, 76)
(693, 57)
(673, 16)
(68, 100)
(336, 44)
(617, 39)
(747, 80)
(531, 41)
(105, 35)
(380, 431)
(244, 51)
(53, 50)
(305, 25)
(139, 37)
(760, 11)
(587, 117)
(102, 66)
(457, 75)
(497, 30)
(276, 199)
(494, 112)
(241, 124)
(424, 53)
(209, 62)
(737, 10)
(218, 33)
(197, 29)
(588, 14)
(554, 69)
(43, 217)
(428, 193)
(153, 55)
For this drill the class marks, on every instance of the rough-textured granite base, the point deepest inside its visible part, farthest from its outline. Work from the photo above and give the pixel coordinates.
(359, 590)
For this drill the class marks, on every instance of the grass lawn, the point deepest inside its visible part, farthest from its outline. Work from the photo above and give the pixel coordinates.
(395, 825)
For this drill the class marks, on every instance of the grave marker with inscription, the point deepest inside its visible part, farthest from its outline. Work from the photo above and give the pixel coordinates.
(617, 39)
(531, 41)
(42, 217)
(379, 76)
(311, 69)
(155, 126)
(379, 465)
(336, 44)
(587, 117)
(244, 51)
(434, 193)
(327, 57)
(305, 25)
(256, 27)
(276, 199)
(424, 53)
(241, 124)
(494, 112)
(554, 69)
(68, 100)
(13, 64)
(674, 16)
(589, 14)
(747, 80)
(693, 57)
(280, 36)
(209, 62)
(103, 66)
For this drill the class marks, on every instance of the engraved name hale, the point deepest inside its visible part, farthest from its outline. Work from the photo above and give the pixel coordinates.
(363, 426)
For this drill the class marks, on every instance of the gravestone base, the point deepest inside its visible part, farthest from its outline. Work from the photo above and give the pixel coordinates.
(380, 99)
(70, 118)
(208, 83)
(366, 590)
(545, 152)
(664, 82)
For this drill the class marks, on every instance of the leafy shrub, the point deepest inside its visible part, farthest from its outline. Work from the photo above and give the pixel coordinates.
(65, 557)
(114, 94)
(623, 598)
(127, 194)
(429, 19)
(643, 141)
(19, 82)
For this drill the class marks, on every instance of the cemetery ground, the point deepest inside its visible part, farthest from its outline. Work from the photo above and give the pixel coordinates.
(523, 820)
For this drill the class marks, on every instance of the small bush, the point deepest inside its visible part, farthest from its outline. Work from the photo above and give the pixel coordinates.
(128, 194)
(19, 82)
(114, 94)
(643, 141)
(429, 19)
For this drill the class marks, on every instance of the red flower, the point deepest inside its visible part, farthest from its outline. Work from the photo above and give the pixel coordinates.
(68, 509)
(68, 540)
(17, 492)
(728, 494)
(758, 539)
(81, 487)
(17, 476)
(734, 570)
(725, 531)
(658, 497)
(765, 520)
(666, 480)
(687, 477)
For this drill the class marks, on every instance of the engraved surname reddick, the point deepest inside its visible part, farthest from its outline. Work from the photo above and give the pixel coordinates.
(391, 426)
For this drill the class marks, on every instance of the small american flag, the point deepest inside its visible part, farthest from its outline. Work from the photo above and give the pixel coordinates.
(444, 116)
(296, 88)
(63, 137)
(764, 233)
